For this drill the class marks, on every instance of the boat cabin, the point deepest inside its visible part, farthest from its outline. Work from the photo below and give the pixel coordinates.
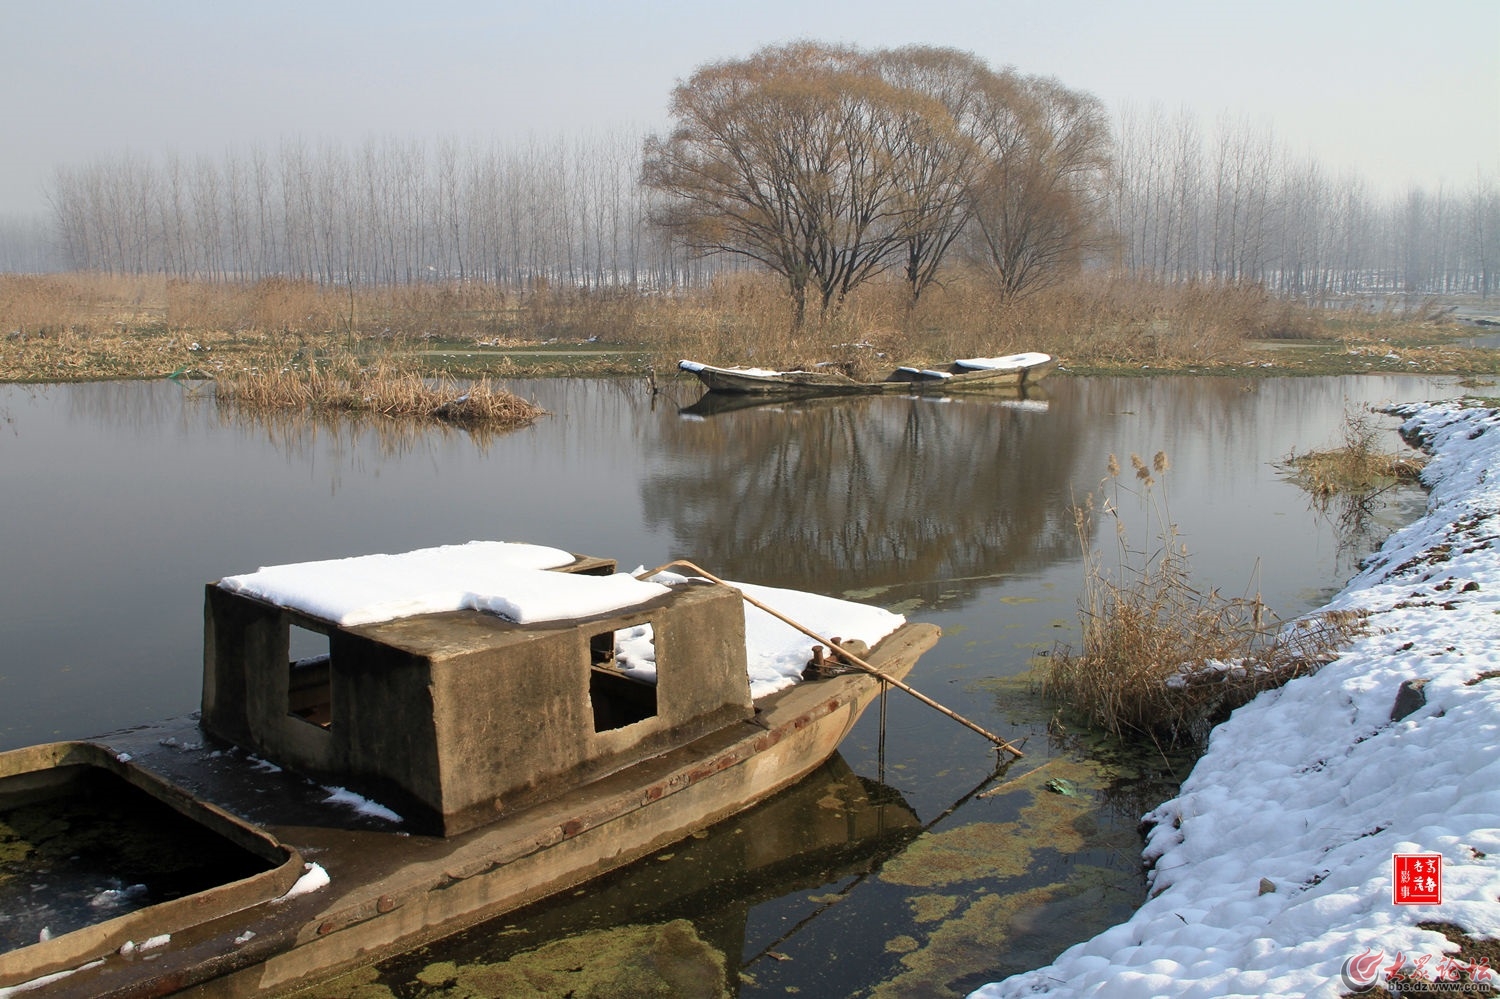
(455, 718)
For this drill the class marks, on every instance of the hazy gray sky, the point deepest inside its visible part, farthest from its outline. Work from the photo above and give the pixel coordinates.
(1401, 91)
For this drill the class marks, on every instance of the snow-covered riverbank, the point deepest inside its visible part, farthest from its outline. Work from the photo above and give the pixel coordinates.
(1273, 870)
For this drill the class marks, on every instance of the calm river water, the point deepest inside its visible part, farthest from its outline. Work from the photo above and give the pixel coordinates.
(886, 874)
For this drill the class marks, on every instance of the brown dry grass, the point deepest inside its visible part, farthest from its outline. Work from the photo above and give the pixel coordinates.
(1161, 658)
(1114, 322)
(1357, 465)
(82, 326)
(346, 385)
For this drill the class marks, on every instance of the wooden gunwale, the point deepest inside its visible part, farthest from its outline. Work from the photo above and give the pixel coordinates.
(389, 892)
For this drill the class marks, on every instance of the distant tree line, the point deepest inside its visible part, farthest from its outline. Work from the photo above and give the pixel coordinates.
(559, 211)
(826, 165)
(1233, 206)
(27, 245)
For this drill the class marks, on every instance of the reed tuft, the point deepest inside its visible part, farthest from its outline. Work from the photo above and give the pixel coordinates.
(1356, 465)
(1160, 657)
(346, 385)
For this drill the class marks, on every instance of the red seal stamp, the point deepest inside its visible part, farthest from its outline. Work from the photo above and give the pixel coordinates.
(1417, 879)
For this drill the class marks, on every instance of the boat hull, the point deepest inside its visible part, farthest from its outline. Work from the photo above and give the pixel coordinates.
(960, 378)
(956, 377)
(785, 383)
(389, 892)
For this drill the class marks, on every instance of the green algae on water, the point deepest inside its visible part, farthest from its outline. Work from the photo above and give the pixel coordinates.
(666, 961)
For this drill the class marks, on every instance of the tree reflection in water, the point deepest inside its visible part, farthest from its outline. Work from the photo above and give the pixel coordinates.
(872, 491)
(123, 499)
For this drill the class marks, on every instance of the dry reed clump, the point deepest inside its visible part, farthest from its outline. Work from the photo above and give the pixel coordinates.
(1119, 321)
(36, 306)
(71, 327)
(274, 306)
(345, 386)
(739, 318)
(40, 305)
(1357, 465)
(1161, 658)
(1091, 320)
(143, 326)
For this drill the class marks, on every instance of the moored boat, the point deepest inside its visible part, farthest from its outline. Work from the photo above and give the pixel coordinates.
(980, 373)
(763, 381)
(526, 719)
(966, 374)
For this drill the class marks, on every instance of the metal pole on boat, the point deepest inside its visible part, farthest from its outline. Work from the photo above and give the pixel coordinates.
(843, 653)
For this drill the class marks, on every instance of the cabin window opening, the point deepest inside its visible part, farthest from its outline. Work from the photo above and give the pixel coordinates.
(309, 687)
(622, 677)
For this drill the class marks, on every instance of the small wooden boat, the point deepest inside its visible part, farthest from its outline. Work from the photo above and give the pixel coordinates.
(968, 374)
(980, 373)
(514, 754)
(762, 381)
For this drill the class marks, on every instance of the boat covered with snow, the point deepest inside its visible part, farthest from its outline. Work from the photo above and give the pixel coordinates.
(480, 727)
(765, 381)
(1013, 371)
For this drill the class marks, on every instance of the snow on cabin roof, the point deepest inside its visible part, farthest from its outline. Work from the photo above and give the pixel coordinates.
(512, 580)
(504, 578)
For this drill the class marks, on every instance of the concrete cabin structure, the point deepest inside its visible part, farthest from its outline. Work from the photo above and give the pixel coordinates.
(460, 718)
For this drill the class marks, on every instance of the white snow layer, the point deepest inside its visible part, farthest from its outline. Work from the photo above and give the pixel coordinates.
(314, 878)
(778, 653)
(775, 652)
(513, 580)
(500, 577)
(1314, 788)
(360, 804)
(695, 366)
(1006, 363)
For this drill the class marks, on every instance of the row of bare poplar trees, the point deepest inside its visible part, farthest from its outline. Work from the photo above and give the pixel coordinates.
(1231, 204)
(1182, 203)
(566, 211)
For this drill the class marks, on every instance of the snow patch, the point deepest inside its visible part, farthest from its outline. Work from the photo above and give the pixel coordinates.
(314, 879)
(364, 806)
(1312, 788)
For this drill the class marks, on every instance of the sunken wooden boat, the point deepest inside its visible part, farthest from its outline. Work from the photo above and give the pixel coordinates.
(513, 754)
(763, 381)
(979, 374)
(1013, 371)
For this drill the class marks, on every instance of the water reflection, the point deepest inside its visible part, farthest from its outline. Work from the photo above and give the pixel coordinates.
(943, 495)
(687, 908)
(876, 490)
(121, 500)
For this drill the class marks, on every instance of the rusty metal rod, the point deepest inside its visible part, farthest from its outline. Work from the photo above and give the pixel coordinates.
(847, 656)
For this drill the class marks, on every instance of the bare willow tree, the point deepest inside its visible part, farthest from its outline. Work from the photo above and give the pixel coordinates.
(828, 164)
(1037, 207)
(782, 158)
(936, 155)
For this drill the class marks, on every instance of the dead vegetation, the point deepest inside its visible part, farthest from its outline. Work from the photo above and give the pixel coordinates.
(1357, 465)
(346, 385)
(1161, 658)
(72, 327)
(1467, 972)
